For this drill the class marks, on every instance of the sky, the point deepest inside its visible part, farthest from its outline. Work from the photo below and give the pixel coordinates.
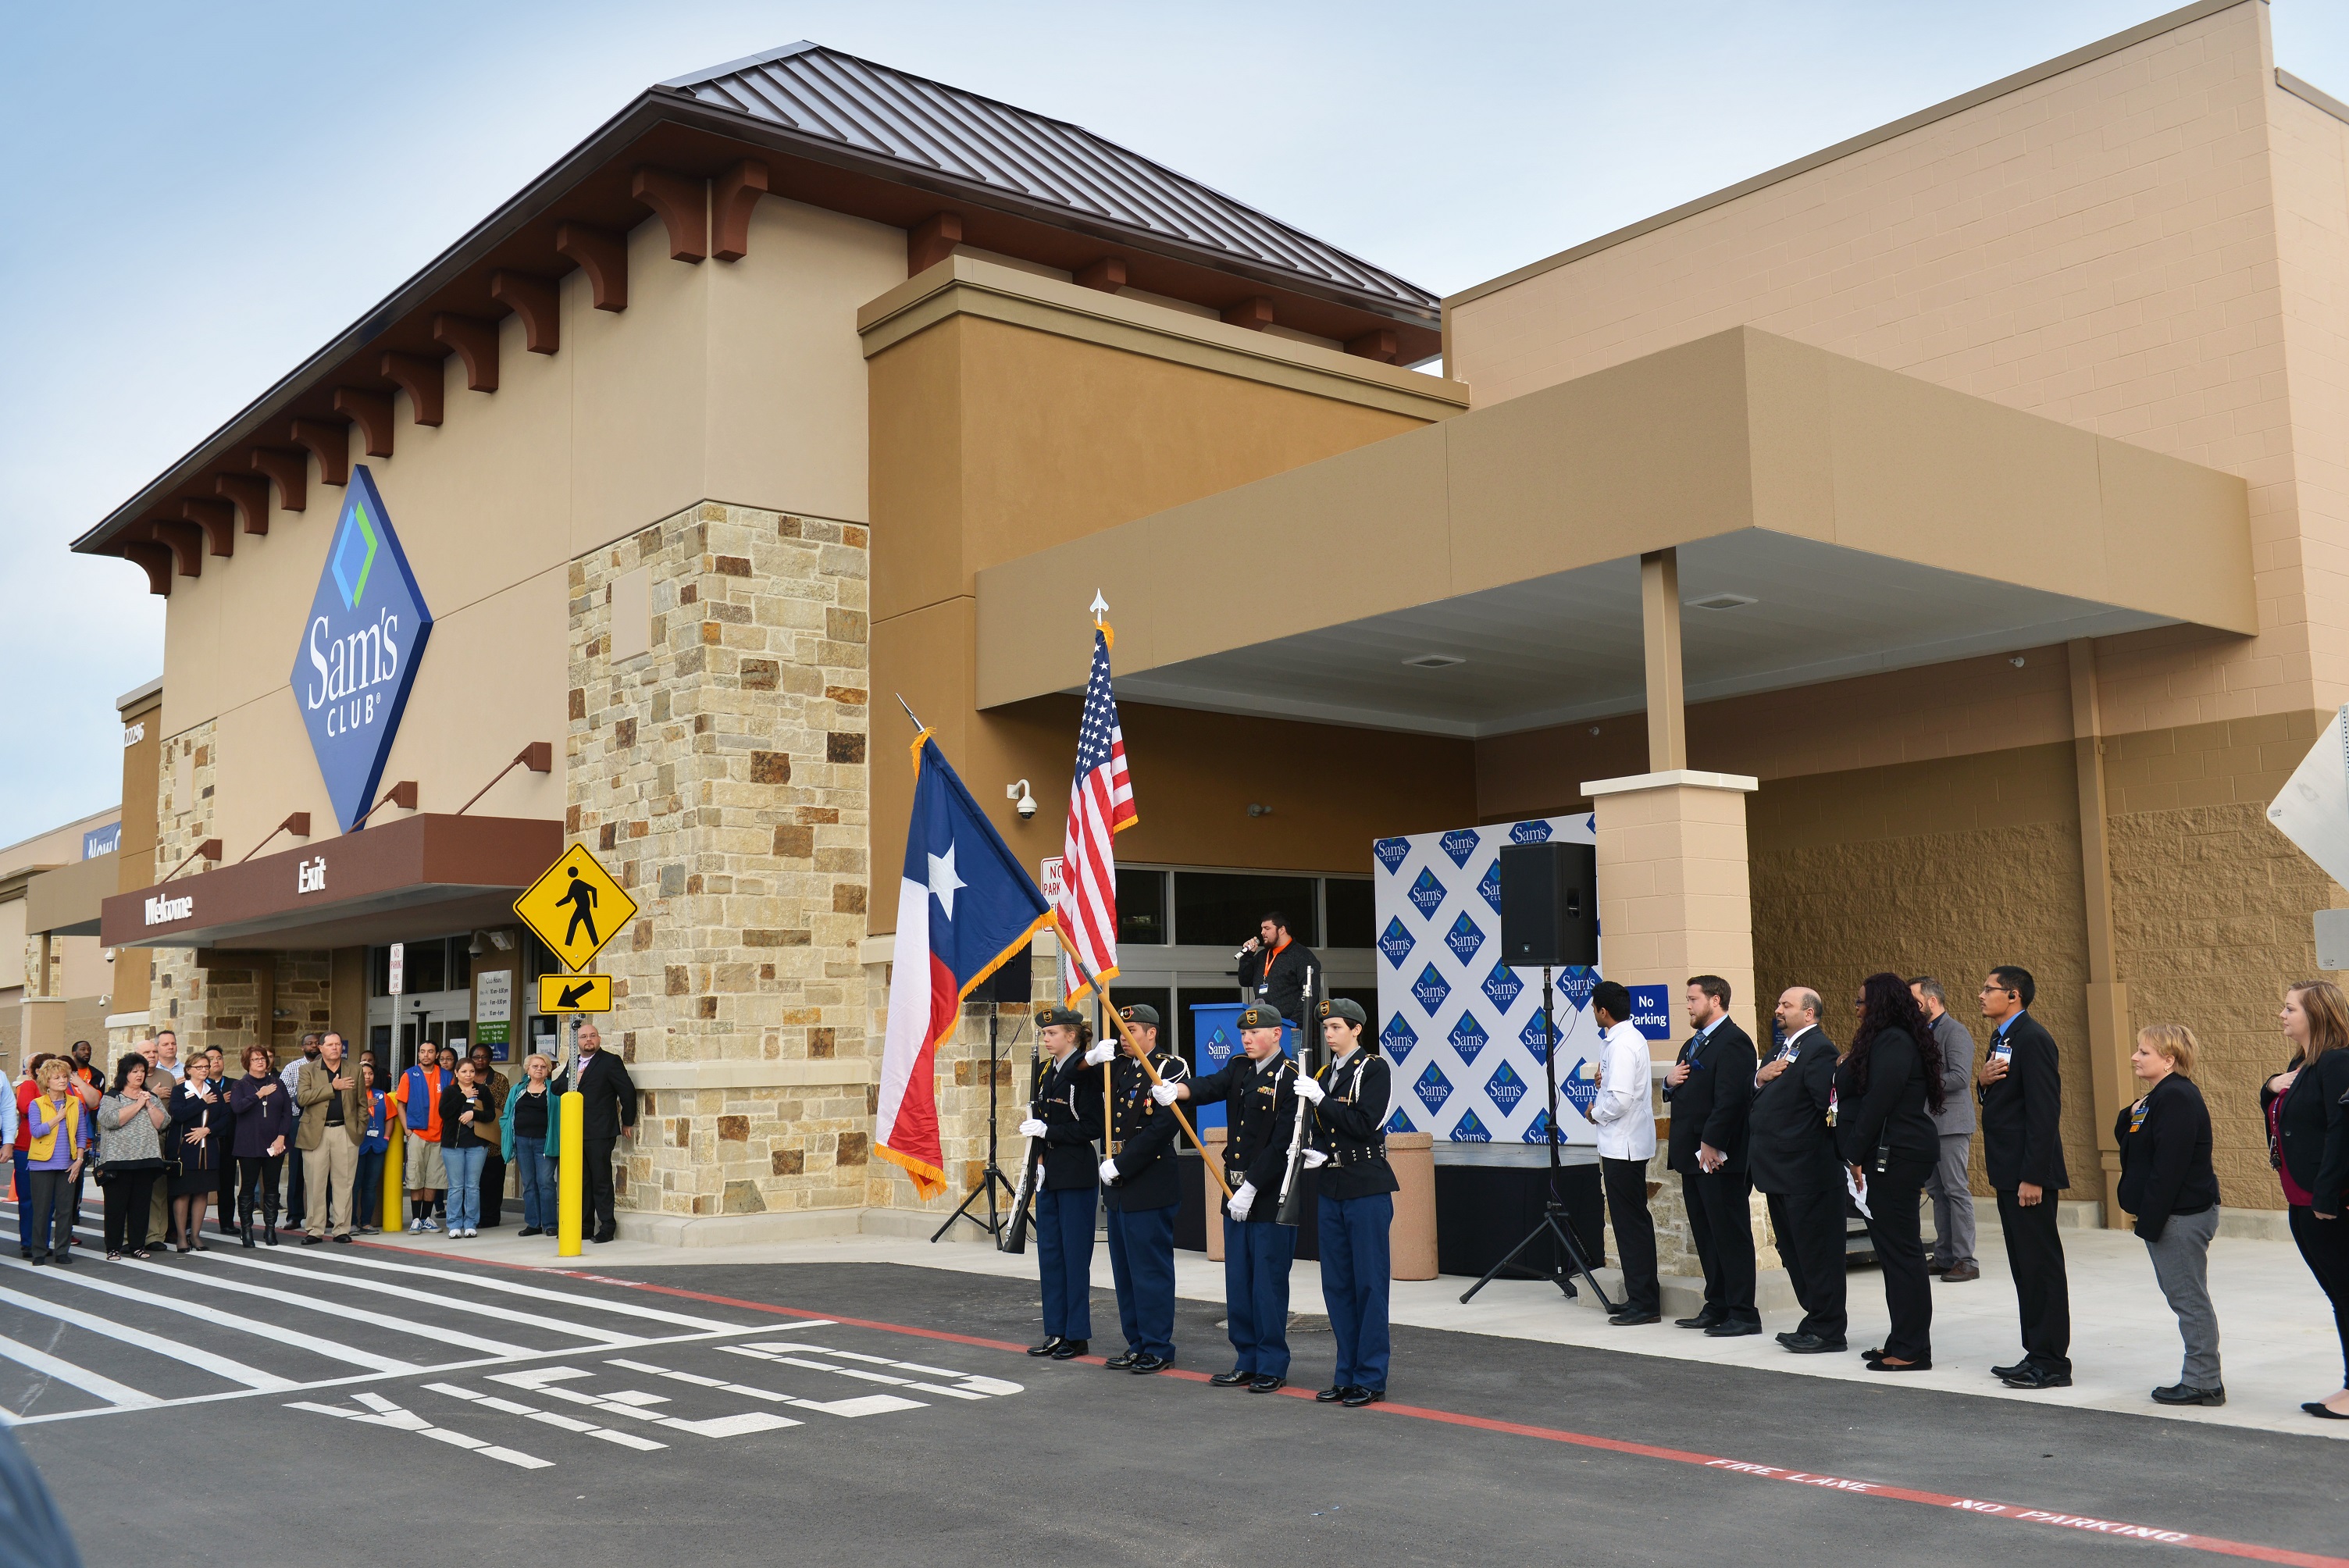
(203, 195)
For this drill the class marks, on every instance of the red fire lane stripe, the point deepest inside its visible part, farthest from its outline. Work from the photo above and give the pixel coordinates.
(1981, 1508)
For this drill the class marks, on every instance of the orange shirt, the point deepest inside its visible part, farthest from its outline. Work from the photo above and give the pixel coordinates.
(438, 1079)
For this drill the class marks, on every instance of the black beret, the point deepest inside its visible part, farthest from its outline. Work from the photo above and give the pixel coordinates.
(1066, 1017)
(1139, 1013)
(1346, 1007)
(1260, 1017)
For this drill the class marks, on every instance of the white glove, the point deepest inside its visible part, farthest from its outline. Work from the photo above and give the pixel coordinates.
(1308, 1091)
(1242, 1201)
(1100, 1053)
(1031, 1128)
(1164, 1093)
(1109, 1172)
(1315, 1160)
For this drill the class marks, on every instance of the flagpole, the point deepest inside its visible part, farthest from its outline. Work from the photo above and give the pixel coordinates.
(909, 711)
(1143, 1057)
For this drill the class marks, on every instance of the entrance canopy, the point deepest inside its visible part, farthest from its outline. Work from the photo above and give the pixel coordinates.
(1482, 575)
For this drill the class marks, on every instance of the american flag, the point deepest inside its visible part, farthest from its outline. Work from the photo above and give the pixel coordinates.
(1101, 803)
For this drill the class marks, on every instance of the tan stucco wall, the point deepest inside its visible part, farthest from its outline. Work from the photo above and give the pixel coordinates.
(743, 380)
(2146, 245)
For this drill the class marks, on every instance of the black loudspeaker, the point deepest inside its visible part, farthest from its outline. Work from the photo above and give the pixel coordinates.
(1549, 904)
(1013, 982)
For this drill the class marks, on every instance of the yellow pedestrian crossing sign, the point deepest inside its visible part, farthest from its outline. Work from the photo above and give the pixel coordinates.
(575, 908)
(575, 992)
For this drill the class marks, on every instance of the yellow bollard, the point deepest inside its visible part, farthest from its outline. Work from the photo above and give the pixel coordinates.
(570, 1175)
(395, 1200)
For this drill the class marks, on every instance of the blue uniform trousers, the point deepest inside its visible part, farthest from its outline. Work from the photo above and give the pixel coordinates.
(1256, 1293)
(24, 1202)
(1354, 1274)
(1141, 1256)
(1064, 1251)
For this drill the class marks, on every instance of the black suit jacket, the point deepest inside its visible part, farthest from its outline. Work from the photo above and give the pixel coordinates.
(607, 1095)
(2021, 1114)
(1711, 1106)
(1891, 1112)
(1789, 1147)
(1144, 1135)
(2313, 1129)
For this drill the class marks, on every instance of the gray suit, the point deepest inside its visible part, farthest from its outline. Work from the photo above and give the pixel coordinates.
(1953, 1203)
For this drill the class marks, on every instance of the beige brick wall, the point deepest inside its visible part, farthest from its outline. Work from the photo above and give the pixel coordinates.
(184, 819)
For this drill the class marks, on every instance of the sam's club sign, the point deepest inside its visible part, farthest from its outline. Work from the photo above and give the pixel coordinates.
(359, 649)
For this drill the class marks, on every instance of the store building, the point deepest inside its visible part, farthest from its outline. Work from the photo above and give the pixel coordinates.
(1915, 557)
(56, 982)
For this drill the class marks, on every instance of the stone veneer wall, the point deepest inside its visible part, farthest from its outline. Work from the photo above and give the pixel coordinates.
(721, 778)
(179, 999)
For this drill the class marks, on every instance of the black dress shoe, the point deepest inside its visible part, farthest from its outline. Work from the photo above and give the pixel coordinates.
(1922, 1363)
(1070, 1349)
(345, 1239)
(2035, 1378)
(1704, 1319)
(1232, 1379)
(530, 1231)
(600, 1237)
(1811, 1344)
(1361, 1397)
(1732, 1330)
(1267, 1384)
(1629, 1319)
(1332, 1394)
(1789, 1337)
(2317, 1408)
(1145, 1364)
(1122, 1362)
(313, 1240)
(2017, 1370)
(2180, 1394)
(1051, 1342)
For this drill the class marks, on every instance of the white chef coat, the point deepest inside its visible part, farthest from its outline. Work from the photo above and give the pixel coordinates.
(1624, 1113)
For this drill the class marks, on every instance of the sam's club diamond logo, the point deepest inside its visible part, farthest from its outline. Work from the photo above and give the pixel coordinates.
(1391, 852)
(1398, 1122)
(1505, 1088)
(1465, 938)
(1433, 1088)
(1397, 1037)
(1490, 886)
(1460, 844)
(1427, 893)
(1430, 990)
(1537, 1130)
(1529, 833)
(1468, 1036)
(1579, 1087)
(1531, 1036)
(1576, 983)
(1502, 986)
(1395, 942)
(359, 650)
(1471, 1131)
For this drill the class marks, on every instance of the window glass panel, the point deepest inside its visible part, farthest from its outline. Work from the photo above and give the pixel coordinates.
(461, 963)
(1140, 907)
(428, 966)
(1221, 909)
(380, 971)
(1348, 906)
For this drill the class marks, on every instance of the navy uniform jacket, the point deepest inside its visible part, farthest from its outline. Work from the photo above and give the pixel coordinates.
(1350, 1125)
(1143, 1136)
(1790, 1150)
(1262, 1101)
(1710, 1104)
(1068, 1103)
(2021, 1140)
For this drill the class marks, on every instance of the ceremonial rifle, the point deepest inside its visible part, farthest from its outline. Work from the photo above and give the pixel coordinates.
(1014, 1234)
(1292, 1196)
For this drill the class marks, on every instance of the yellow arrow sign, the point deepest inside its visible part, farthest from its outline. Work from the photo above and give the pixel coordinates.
(575, 908)
(575, 992)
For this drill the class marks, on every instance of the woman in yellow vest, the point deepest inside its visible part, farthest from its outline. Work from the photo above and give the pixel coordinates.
(53, 1161)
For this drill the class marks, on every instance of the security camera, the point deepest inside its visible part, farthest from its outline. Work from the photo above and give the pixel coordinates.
(1025, 801)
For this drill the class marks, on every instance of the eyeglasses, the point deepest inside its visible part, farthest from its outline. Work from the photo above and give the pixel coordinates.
(1993, 990)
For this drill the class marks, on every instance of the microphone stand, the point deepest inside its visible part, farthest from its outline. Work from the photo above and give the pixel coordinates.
(1555, 1221)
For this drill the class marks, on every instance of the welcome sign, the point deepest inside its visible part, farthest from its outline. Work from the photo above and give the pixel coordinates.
(365, 632)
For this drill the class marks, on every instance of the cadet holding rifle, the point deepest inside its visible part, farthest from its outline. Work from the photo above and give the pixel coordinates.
(1062, 1120)
(1260, 1090)
(1349, 1151)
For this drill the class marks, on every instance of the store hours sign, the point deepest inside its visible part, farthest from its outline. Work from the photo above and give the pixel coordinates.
(360, 644)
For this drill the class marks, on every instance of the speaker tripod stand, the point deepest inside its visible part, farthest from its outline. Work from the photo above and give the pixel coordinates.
(1555, 1222)
(993, 1176)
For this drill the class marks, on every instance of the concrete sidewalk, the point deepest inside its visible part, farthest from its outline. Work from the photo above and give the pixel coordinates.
(2279, 1346)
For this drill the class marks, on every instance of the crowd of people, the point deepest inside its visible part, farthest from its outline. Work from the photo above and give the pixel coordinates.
(1874, 1126)
(166, 1139)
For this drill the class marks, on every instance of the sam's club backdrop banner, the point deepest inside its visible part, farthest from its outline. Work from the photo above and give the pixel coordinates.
(1461, 1028)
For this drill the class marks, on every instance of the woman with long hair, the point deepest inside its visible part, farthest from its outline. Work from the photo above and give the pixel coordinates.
(2307, 1108)
(201, 1124)
(1888, 1082)
(264, 1125)
(366, 1206)
(131, 1119)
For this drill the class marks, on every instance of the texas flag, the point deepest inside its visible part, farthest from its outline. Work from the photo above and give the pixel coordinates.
(964, 906)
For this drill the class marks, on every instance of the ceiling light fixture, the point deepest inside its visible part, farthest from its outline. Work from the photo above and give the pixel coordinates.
(1722, 602)
(1433, 660)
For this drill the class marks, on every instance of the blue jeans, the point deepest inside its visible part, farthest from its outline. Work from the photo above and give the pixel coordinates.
(538, 1182)
(464, 1162)
(367, 1204)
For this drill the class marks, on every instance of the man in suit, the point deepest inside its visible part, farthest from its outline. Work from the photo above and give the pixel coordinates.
(1062, 1122)
(1791, 1154)
(1953, 1197)
(609, 1102)
(1711, 1087)
(2021, 1105)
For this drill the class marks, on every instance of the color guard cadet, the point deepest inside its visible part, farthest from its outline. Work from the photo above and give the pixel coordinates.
(1261, 1093)
(1067, 1119)
(1349, 1150)
(1142, 1191)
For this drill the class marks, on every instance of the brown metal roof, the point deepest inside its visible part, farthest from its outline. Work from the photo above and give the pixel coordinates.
(925, 125)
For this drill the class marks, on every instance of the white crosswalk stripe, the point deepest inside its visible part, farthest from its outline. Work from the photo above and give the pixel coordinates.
(378, 1287)
(337, 1309)
(235, 1371)
(117, 1394)
(294, 1338)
